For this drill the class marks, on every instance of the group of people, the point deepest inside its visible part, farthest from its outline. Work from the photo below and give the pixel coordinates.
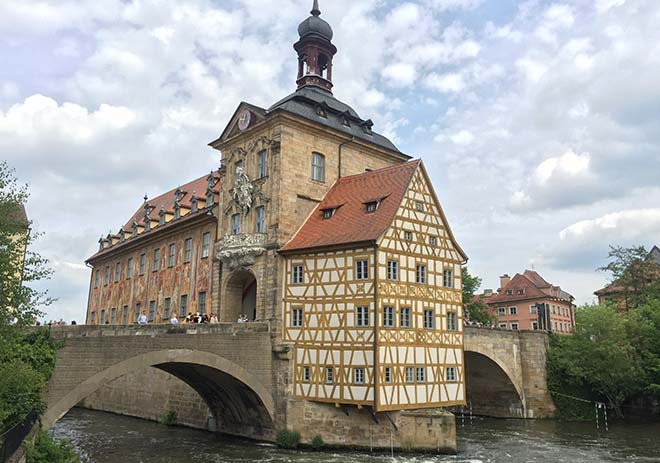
(242, 318)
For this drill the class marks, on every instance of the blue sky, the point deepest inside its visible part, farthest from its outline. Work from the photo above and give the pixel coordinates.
(536, 119)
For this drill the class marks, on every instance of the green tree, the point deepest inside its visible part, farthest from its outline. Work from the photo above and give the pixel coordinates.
(45, 449)
(599, 357)
(27, 357)
(476, 310)
(633, 270)
(644, 334)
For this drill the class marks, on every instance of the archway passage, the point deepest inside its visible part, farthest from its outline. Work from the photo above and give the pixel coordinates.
(240, 297)
(240, 404)
(489, 389)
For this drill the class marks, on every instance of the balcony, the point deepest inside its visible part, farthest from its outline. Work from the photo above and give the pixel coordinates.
(241, 251)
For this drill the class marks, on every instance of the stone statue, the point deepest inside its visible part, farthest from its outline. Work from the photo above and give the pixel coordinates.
(243, 191)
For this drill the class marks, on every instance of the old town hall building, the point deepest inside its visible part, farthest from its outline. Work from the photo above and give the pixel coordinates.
(322, 227)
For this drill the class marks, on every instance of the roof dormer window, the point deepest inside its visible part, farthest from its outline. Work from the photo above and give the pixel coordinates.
(521, 292)
(321, 111)
(328, 213)
(371, 206)
(509, 292)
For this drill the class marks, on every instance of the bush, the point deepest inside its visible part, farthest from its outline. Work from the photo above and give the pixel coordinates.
(169, 418)
(288, 439)
(45, 449)
(317, 442)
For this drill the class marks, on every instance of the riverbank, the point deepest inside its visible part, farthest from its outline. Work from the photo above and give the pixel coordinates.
(107, 438)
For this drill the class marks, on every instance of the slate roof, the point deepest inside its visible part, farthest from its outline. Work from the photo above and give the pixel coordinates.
(306, 101)
(350, 222)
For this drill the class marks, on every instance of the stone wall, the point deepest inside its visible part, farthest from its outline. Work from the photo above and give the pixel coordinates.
(424, 430)
(150, 394)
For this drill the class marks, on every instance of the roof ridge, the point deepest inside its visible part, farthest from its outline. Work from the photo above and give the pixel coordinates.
(382, 169)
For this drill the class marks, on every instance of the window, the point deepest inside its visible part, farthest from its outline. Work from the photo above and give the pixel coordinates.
(143, 263)
(388, 374)
(156, 263)
(421, 274)
(509, 292)
(521, 292)
(448, 279)
(97, 277)
(92, 318)
(206, 244)
(171, 255)
(410, 375)
(429, 319)
(124, 315)
(532, 308)
(201, 302)
(106, 275)
(513, 310)
(327, 213)
(514, 326)
(136, 313)
(236, 224)
(362, 316)
(152, 310)
(450, 374)
(392, 269)
(362, 270)
(117, 272)
(404, 317)
(408, 236)
(297, 274)
(388, 316)
(129, 268)
(102, 319)
(167, 307)
(113, 316)
(261, 164)
(187, 251)
(183, 305)
(535, 326)
(306, 374)
(432, 240)
(329, 373)
(297, 317)
(501, 311)
(371, 206)
(419, 206)
(318, 167)
(420, 374)
(502, 325)
(358, 376)
(451, 321)
(260, 214)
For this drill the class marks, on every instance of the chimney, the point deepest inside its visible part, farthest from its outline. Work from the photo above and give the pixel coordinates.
(504, 280)
(488, 292)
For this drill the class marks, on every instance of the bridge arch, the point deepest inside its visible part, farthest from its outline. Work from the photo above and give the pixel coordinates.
(237, 399)
(491, 387)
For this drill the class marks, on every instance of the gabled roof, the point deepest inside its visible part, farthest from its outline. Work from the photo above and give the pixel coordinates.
(533, 286)
(350, 223)
(17, 215)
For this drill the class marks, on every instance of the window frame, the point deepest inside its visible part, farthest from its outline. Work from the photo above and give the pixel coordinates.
(420, 374)
(262, 164)
(297, 317)
(129, 268)
(361, 269)
(329, 375)
(318, 167)
(201, 302)
(408, 318)
(450, 378)
(362, 316)
(393, 270)
(297, 274)
(235, 223)
(260, 220)
(171, 255)
(452, 320)
(358, 375)
(513, 310)
(187, 250)
(206, 245)
(420, 274)
(448, 278)
(388, 316)
(155, 265)
(183, 305)
(410, 375)
(142, 264)
(429, 319)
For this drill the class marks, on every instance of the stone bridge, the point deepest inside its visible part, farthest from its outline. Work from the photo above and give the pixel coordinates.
(506, 373)
(240, 381)
(230, 366)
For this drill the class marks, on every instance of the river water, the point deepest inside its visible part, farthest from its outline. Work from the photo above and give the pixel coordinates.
(106, 438)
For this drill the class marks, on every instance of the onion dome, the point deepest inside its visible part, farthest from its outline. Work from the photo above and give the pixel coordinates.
(315, 25)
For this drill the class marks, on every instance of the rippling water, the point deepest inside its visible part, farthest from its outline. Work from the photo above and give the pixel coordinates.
(107, 438)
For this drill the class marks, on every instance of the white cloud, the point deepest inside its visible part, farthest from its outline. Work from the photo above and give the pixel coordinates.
(445, 83)
(605, 5)
(400, 74)
(464, 137)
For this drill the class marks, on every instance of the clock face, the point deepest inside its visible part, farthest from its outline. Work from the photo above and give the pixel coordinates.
(244, 119)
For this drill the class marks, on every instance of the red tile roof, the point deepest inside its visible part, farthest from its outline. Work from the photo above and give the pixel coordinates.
(350, 222)
(166, 200)
(533, 286)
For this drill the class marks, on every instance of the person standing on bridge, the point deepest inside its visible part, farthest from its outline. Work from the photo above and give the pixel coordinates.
(142, 319)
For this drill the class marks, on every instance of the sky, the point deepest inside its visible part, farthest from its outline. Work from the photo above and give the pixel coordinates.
(537, 120)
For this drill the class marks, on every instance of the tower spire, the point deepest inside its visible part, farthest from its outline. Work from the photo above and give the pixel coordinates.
(315, 9)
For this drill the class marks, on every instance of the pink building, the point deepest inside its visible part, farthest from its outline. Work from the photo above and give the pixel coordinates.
(528, 302)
